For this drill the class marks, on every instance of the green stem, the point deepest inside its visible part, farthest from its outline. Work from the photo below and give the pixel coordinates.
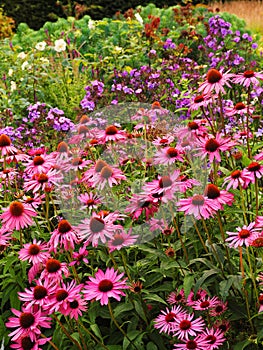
(92, 335)
(118, 326)
(74, 341)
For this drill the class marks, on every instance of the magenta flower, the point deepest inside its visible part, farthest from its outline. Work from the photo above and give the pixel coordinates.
(167, 156)
(251, 172)
(38, 295)
(214, 337)
(63, 295)
(105, 285)
(89, 200)
(198, 343)
(185, 326)
(54, 270)
(220, 197)
(212, 146)
(27, 323)
(80, 256)
(39, 164)
(24, 343)
(176, 297)
(193, 297)
(75, 307)
(238, 109)
(98, 228)
(65, 236)
(199, 206)
(5, 146)
(18, 216)
(242, 236)
(205, 303)
(141, 204)
(200, 101)
(235, 179)
(111, 133)
(215, 80)
(260, 301)
(107, 176)
(165, 322)
(121, 239)
(249, 77)
(42, 180)
(35, 252)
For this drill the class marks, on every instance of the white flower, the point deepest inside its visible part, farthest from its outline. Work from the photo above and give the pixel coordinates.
(91, 24)
(44, 60)
(60, 45)
(10, 72)
(24, 64)
(41, 46)
(13, 85)
(21, 55)
(139, 18)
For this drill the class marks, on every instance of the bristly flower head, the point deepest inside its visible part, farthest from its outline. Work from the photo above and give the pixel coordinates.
(215, 80)
(18, 215)
(105, 285)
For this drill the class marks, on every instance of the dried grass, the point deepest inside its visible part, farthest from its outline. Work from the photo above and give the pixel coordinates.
(251, 11)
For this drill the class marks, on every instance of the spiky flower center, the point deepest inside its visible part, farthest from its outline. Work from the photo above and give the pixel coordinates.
(26, 319)
(83, 129)
(213, 76)
(192, 126)
(165, 181)
(74, 304)
(16, 209)
(191, 345)
(90, 202)
(249, 74)
(172, 152)
(64, 226)
(243, 234)
(99, 165)
(42, 178)
(258, 242)
(204, 304)
(239, 106)
(53, 265)
(185, 324)
(118, 240)
(39, 292)
(212, 191)
(199, 99)
(27, 343)
(38, 160)
(97, 225)
(62, 147)
(61, 294)
(111, 130)
(219, 309)
(4, 141)
(170, 317)
(105, 286)
(33, 249)
(235, 174)
(106, 172)
(163, 141)
(211, 145)
(211, 339)
(254, 166)
(76, 161)
(260, 299)
(198, 199)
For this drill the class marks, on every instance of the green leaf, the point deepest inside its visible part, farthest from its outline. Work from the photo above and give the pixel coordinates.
(242, 345)
(155, 297)
(188, 284)
(122, 308)
(151, 346)
(207, 274)
(95, 329)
